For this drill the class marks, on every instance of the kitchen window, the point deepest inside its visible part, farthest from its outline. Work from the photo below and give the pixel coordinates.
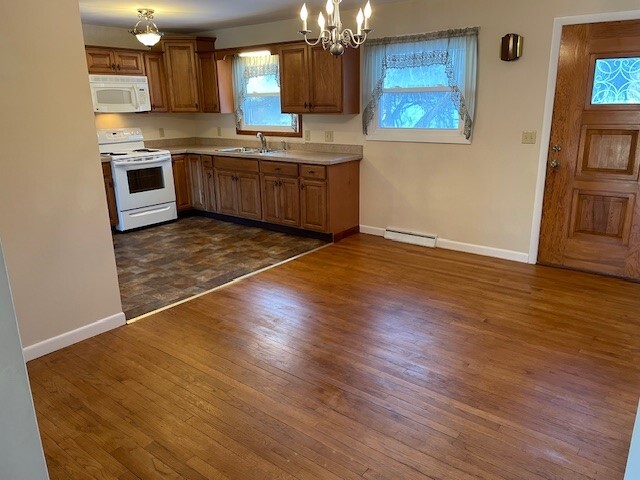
(256, 81)
(421, 88)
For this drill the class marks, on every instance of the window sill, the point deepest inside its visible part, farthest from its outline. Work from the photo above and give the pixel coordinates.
(454, 137)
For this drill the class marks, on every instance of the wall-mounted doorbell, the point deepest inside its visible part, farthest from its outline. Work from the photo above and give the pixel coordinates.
(511, 47)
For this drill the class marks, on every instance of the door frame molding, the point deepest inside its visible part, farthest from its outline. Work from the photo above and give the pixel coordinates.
(558, 23)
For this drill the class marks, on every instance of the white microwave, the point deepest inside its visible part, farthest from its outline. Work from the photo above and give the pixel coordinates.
(119, 93)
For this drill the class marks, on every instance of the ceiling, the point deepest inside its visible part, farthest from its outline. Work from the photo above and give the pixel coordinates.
(190, 16)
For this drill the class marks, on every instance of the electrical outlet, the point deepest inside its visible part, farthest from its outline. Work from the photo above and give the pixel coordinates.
(219, 131)
(328, 136)
(529, 138)
(307, 135)
(161, 132)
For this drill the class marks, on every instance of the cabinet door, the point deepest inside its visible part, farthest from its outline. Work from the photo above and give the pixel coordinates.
(226, 192)
(157, 76)
(181, 183)
(209, 190)
(196, 181)
(326, 81)
(111, 194)
(294, 79)
(128, 63)
(248, 191)
(270, 199)
(313, 202)
(180, 60)
(289, 193)
(209, 82)
(100, 60)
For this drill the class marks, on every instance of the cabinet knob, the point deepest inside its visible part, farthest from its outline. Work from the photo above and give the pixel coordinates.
(118, 67)
(305, 105)
(113, 66)
(302, 186)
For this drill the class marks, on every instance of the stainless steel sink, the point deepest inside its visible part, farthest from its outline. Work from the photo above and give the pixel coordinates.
(237, 150)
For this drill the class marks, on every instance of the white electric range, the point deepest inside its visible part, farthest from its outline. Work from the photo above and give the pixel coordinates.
(142, 178)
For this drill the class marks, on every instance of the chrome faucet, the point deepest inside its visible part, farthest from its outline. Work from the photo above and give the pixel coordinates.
(263, 142)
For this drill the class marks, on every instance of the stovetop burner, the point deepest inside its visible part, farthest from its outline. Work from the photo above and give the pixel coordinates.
(146, 150)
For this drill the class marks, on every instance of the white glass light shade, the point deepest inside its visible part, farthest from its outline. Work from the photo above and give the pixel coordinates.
(148, 39)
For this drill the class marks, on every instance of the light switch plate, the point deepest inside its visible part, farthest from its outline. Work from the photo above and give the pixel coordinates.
(161, 132)
(529, 137)
(328, 136)
(307, 135)
(219, 131)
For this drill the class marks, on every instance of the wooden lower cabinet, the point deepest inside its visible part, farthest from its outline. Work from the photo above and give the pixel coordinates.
(111, 194)
(209, 184)
(196, 181)
(321, 198)
(181, 182)
(237, 187)
(280, 193)
(313, 201)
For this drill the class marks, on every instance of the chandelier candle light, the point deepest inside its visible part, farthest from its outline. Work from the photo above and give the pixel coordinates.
(332, 36)
(145, 30)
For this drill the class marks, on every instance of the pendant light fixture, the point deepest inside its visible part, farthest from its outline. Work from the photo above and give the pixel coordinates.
(145, 30)
(332, 36)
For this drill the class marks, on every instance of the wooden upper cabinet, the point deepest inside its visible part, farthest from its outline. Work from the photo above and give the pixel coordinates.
(182, 73)
(209, 82)
(157, 76)
(314, 81)
(114, 61)
(191, 73)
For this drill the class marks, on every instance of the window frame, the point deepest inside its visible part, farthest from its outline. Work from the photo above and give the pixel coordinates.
(272, 130)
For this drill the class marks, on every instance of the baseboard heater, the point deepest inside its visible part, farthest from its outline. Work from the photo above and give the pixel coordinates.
(414, 238)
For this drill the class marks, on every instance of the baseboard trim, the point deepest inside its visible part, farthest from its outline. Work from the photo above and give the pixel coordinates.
(378, 232)
(63, 340)
(463, 247)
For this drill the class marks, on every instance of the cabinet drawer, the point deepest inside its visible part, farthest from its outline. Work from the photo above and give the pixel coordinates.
(313, 171)
(237, 164)
(279, 168)
(207, 161)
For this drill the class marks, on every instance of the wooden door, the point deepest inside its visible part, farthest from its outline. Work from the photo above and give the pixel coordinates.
(157, 76)
(128, 63)
(209, 82)
(326, 81)
(181, 182)
(100, 60)
(248, 194)
(270, 199)
(313, 205)
(209, 190)
(180, 61)
(591, 213)
(289, 201)
(226, 197)
(294, 79)
(196, 182)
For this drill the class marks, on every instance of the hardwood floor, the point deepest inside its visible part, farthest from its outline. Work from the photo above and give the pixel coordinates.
(366, 359)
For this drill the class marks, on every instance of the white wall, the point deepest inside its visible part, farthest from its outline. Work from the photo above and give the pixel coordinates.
(53, 215)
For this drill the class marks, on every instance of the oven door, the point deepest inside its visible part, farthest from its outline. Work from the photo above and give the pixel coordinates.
(143, 183)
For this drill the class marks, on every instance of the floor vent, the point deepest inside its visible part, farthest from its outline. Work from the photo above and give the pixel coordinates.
(423, 239)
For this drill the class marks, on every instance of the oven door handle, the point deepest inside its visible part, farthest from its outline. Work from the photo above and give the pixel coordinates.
(117, 163)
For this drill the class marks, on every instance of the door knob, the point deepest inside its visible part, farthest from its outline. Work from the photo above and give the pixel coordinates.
(554, 163)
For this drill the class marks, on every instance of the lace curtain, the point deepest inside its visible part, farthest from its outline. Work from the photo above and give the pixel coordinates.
(456, 50)
(245, 68)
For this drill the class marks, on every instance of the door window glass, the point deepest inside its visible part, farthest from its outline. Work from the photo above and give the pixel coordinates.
(616, 81)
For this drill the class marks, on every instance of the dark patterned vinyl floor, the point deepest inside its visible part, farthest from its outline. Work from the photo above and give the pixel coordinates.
(162, 265)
